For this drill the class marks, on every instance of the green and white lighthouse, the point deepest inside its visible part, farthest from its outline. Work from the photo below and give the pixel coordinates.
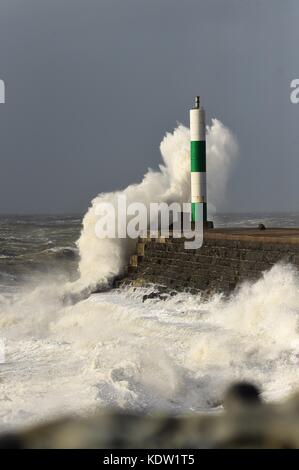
(198, 163)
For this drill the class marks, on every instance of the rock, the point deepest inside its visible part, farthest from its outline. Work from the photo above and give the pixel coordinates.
(261, 227)
(247, 422)
(240, 395)
(155, 295)
(151, 295)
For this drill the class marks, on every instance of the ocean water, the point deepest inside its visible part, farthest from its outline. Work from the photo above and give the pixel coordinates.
(111, 350)
(32, 245)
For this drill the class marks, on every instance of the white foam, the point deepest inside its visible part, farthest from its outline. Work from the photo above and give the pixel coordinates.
(113, 350)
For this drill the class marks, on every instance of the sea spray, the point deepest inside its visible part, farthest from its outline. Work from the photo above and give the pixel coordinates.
(102, 259)
(182, 353)
(113, 350)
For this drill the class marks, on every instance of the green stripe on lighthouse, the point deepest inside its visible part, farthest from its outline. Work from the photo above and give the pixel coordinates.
(198, 155)
(196, 212)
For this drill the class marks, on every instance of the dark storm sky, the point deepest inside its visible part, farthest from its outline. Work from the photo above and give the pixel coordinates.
(93, 85)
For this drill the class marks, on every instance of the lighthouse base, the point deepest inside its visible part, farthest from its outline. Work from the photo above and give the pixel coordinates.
(207, 225)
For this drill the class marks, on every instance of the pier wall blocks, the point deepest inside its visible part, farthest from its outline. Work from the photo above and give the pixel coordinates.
(220, 265)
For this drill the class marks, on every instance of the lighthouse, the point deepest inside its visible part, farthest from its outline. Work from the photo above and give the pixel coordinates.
(198, 163)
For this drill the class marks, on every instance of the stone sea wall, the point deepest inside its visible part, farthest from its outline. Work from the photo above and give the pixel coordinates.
(225, 260)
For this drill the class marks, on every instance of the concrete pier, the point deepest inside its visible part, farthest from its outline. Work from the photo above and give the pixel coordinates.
(228, 257)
